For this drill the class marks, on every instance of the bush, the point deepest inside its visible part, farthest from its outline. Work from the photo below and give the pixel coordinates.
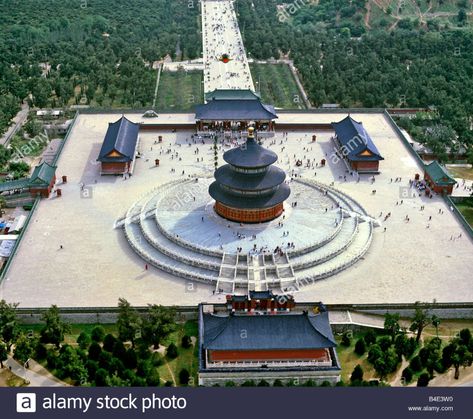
(119, 350)
(248, 383)
(360, 346)
(186, 342)
(152, 379)
(51, 360)
(101, 378)
(41, 351)
(370, 337)
(97, 334)
(407, 375)
(357, 374)
(229, 384)
(168, 384)
(130, 360)
(109, 342)
(94, 351)
(172, 351)
(423, 380)
(278, 383)
(416, 364)
(465, 337)
(346, 339)
(184, 377)
(384, 342)
(83, 340)
(374, 353)
(263, 383)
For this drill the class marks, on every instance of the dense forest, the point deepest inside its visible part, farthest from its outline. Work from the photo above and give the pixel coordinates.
(97, 52)
(100, 52)
(405, 67)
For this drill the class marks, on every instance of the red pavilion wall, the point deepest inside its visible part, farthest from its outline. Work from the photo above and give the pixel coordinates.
(269, 355)
(249, 216)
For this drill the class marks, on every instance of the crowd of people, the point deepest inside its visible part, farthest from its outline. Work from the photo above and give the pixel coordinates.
(225, 62)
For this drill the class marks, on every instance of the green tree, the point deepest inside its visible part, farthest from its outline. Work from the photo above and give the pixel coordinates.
(407, 375)
(435, 320)
(423, 380)
(186, 342)
(109, 342)
(420, 320)
(101, 378)
(158, 323)
(465, 337)
(128, 322)
(3, 353)
(97, 334)
(172, 351)
(184, 377)
(83, 340)
(8, 323)
(360, 346)
(94, 351)
(461, 357)
(357, 375)
(346, 338)
(391, 324)
(24, 348)
(370, 337)
(54, 328)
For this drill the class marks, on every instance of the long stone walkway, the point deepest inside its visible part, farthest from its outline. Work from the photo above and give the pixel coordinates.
(221, 37)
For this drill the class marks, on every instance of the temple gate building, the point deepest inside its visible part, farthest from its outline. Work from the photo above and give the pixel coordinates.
(249, 189)
(279, 341)
(229, 110)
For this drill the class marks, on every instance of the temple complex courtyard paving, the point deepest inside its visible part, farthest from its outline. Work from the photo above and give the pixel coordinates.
(428, 257)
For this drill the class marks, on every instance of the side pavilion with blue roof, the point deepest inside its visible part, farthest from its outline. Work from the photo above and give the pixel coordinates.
(355, 145)
(119, 147)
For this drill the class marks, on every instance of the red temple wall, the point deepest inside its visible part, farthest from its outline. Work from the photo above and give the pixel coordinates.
(365, 165)
(114, 168)
(249, 216)
(270, 355)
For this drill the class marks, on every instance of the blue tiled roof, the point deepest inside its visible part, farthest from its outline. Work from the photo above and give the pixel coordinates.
(225, 175)
(279, 331)
(235, 110)
(250, 155)
(121, 137)
(355, 140)
(253, 202)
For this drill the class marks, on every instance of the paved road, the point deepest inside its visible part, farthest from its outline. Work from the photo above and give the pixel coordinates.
(35, 379)
(221, 35)
(18, 121)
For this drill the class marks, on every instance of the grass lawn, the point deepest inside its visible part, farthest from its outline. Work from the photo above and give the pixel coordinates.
(349, 360)
(467, 212)
(8, 379)
(448, 328)
(76, 330)
(277, 86)
(461, 172)
(179, 91)
(187, 358)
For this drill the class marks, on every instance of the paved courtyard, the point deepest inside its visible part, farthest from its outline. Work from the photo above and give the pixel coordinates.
(420, 259)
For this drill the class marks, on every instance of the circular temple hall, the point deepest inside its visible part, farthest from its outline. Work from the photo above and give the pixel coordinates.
(249, 189)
